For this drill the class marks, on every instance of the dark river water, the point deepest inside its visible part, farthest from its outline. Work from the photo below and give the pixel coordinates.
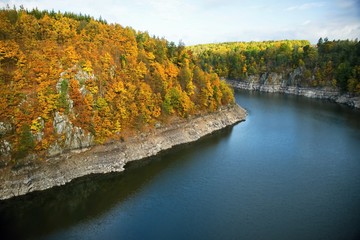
(291, 171)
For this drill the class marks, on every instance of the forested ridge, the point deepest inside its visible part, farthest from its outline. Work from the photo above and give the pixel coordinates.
(103, 78)
(334, 64)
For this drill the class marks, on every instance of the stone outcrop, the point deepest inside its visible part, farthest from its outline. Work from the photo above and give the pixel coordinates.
(67, 137)
(5, 128)
(113, 157)
(275, 82)
(74, 137)
(71, 137)
(5, 146)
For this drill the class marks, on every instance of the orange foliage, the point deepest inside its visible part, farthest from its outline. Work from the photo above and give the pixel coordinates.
(106, 78)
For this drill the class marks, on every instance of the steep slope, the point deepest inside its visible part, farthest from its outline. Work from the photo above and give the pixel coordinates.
(113, 157)
(69, 82)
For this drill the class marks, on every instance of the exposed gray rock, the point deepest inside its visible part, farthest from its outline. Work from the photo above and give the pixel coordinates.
(356, 101)
(274, 82)
(63, 168)
(61, 123)
(82, 76)
(74, 137)
(5, 128)
(55, 149)
(5, 148)
(80, 139)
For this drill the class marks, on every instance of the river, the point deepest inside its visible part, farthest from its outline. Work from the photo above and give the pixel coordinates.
(290, 171)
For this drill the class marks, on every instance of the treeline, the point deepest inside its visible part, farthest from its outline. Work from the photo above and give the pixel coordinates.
(38, 14)
(329, 63)
(106, 78)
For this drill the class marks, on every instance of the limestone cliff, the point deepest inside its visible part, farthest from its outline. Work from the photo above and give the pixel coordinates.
(288, 83)
(113, 157)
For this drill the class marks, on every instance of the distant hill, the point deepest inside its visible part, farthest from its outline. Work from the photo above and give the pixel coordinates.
(328, 64)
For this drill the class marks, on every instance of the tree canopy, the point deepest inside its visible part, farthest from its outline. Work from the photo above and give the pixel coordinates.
(105, 77)
(329, 63)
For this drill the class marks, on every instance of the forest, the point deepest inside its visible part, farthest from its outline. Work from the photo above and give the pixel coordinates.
(108, 80)
(334, 64)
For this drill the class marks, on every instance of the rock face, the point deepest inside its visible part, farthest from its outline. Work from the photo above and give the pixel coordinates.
(275, 82)
(67, 137)
(5, 146)
(112, 157)
(75, 137)
(71, 137)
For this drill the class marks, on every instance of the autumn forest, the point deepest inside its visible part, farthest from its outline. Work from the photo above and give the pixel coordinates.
(105, 78)
(112, 81)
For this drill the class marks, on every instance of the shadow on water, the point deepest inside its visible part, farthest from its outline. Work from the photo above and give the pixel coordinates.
(40, 213)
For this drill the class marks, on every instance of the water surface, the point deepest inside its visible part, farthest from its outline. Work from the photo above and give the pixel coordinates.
(291, 171)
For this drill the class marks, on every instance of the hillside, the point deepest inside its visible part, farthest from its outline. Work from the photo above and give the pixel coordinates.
(329, 64)
(70, 81)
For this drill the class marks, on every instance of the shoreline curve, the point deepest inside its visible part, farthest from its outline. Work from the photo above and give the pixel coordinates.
(62, 169)
(318, 93)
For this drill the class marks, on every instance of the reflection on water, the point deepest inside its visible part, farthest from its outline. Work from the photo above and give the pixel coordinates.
(291, 171)
(89, 197)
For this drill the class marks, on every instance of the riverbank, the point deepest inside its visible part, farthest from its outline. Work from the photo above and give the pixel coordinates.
(113, 157)
(321, 93)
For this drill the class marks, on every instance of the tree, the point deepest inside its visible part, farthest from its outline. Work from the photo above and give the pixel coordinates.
(104, 78)
(26, 142)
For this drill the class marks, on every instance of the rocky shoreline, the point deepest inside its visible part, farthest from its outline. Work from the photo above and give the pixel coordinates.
(61, 169)
(319, 93)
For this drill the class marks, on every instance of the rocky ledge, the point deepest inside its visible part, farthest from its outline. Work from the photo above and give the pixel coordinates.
(113, 157)
(320, 93)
